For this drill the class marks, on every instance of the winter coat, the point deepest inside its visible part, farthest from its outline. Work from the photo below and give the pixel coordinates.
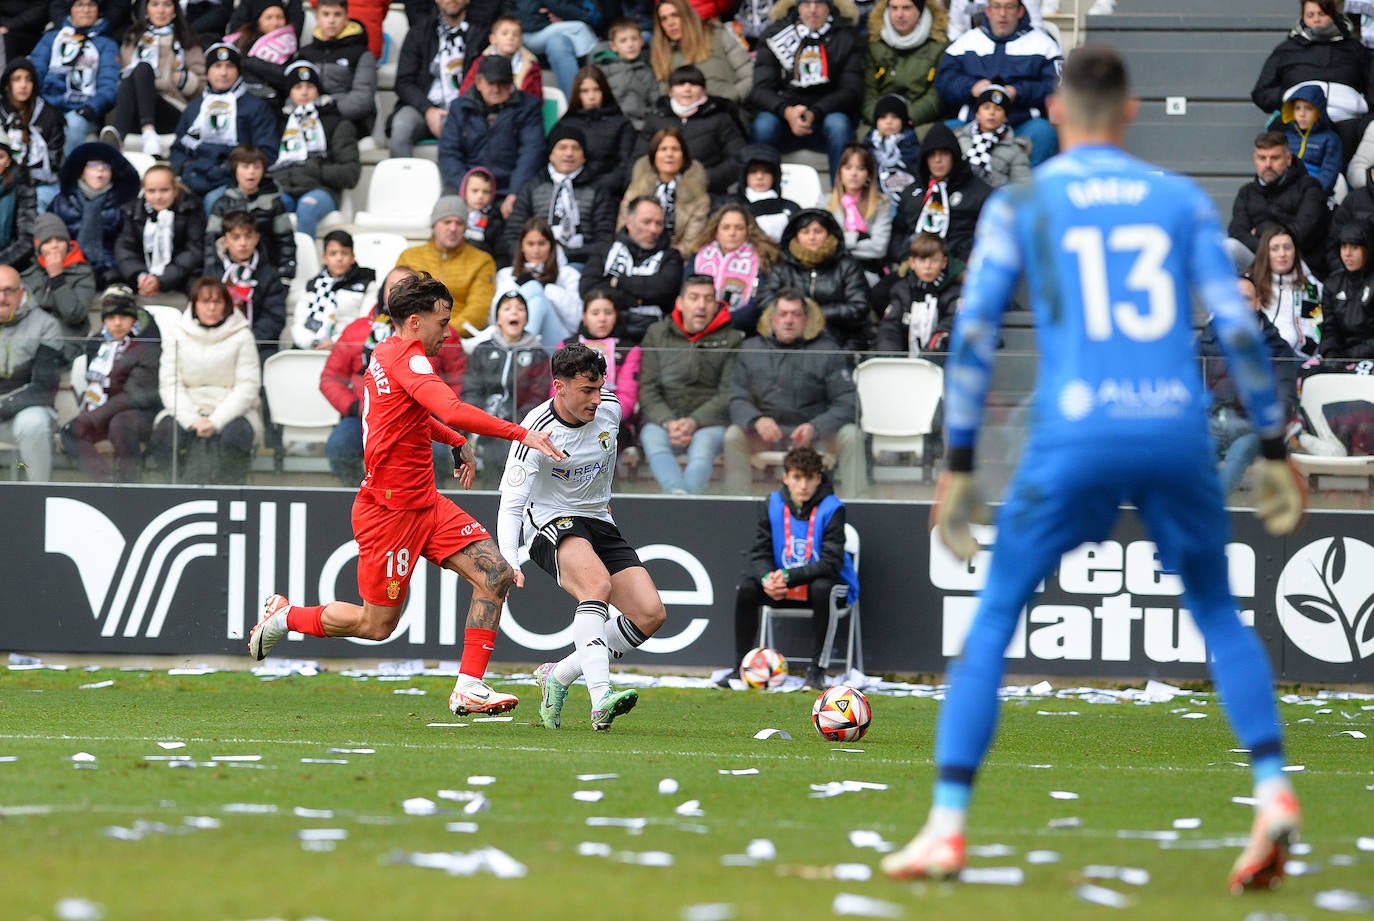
(353, 291)
(188, 244)
(133, 376)
(31, 359)
(1216, 370)
(337, 170)
(595, 208)
(341, 381)
(804, 381)
(610, 146)
(930, 304)
(830, 555)
(26, 21)
(507, 379)
(1028, 60)
(869, 246)
(53, 86)
(45, 163)
(274, 224)
(1010, 161)
(204, 169)
(211, 372)
(843, 86)
(645, 280)
(178, 87)
(966, 195)
(1340, 67)
(714, 136)
(1348, 316)
(771, 212)
(684, 378)
(267, 311)
(837, 284)
(728, 69)
(67, 297)
(70, 203)
(348, 72)
(1295, 200)
(511, 145)
(18, 210)
(1356, 210)
(691, 204)
(1319, 149)
(467, 272)
(418, 51)
(909, 72)
(561, 293)
(632, 83)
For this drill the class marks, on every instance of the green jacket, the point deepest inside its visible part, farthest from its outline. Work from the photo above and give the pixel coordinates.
(680, 378)
(910, 73)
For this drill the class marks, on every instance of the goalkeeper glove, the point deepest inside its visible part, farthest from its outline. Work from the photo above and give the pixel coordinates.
(1281, 497)
(957, 505)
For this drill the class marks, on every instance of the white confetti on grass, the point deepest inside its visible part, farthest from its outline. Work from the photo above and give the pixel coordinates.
(171, 746)
(588, 796)
(490, 860)
(1364, 844)
(1343, 900)
(1132, 876)
(1063, 794)
(74, 909)
(847, 903)
(993, 876)
(781, 734)
(1187, 823)
(708, 911)
(95, 685)
(1353, 733)
(587, 778)
(742, 772)
(1101, 895)
(667, 786)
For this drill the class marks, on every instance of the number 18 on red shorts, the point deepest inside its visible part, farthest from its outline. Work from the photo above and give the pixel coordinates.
(391, 542)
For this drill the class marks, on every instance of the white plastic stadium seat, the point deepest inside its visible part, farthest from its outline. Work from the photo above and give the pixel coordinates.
(379, 251)
(401, 196)
(307, 267)
(139, 160)
(553, 100)
(898, 398)
(802, 184)
(133, 147)
(394, 29)
(1318, 391)
(291, 381)
(839, 608)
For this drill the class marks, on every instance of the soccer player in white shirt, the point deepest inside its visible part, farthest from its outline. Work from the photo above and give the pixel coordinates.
(565, 508)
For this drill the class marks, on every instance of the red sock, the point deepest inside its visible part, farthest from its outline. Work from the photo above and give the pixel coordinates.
(478, 645)
(306, 620)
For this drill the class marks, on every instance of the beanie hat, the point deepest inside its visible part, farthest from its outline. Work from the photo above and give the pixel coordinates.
(118, 299)
(222, 51)
(995, 94)
(47, 226)
(892, 104)
(447, 207)
(562, 131)
(303, 72)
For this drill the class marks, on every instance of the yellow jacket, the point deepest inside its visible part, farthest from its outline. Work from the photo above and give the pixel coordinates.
(467, 272)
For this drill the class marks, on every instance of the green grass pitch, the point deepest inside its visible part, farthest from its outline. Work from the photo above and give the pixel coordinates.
(1135, 768)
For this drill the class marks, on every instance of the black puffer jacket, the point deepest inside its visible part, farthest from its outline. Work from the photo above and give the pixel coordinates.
(1348, 316)
(836, 284)
(609, 149)
(1342, 65)
(714, 136)
(1295, 200)
(966, 195)
(188, 244)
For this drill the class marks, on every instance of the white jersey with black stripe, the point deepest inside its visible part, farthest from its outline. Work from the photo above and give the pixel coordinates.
(537, 491)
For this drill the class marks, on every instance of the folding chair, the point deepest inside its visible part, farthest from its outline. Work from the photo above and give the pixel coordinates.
(840, 607)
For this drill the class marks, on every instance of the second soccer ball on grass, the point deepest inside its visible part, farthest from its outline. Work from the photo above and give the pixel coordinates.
(762, 667)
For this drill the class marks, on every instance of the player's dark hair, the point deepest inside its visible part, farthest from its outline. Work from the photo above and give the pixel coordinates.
(803, 459)
(416, 293)
(1095, 86)
(1268, 139)
(574, 359)
(238, 220)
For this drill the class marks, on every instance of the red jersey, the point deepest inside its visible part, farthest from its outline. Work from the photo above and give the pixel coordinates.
(401, 396)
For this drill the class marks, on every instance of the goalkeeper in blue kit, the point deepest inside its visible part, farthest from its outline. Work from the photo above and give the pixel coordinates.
(1112, 251)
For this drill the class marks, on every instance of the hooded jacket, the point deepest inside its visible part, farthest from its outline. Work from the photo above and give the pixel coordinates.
(348, 73)
(713, 133)
(1338, 63)
(67, 297)
(683, 377)
(772, 212)
(341, 381)
(908, 70)
(793, 383)
(54, 87)
(18, 210)
(70, 203)
(188, 243)
(836, 284)
(1295, 200)
(202, 167)
(509, 141)
(178, 87)
(1319, 148)
(965, 194)
(210, 371)
(841, 85)
(44, 161)
(30, 359)
(691, 204)
(930, 304)
(595, 209)
(645, 279)
(1027, 60)
(507, 379)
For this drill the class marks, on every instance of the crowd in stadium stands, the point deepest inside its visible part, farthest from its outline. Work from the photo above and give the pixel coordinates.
(162, 153)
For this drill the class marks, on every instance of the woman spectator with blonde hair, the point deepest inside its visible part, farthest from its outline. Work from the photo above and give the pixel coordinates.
(858, 203)
(681, 37)
(734, 252)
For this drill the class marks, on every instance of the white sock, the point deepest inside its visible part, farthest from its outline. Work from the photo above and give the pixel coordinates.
(944, 821)
(467, 681)
(569, 668)
(1267, 790)
(623, 636)
(589, 627)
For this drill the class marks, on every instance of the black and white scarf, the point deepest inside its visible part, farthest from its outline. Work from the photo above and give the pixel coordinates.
(620, 262)
(28, 141)
(979, 154)
(146, 49)
(381, 330)
(75, 59)
(302, 138)
(666, 193)
(98, 371)
(893, 175)
(321, 306)
(217, 122)
(157, 239)
(801, 53)
(240, 278)
(934, 217)
(447, 67)
(564, 215)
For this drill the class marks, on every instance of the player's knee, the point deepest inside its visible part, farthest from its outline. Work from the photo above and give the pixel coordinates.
(378, 626)
(653, 619)
(500, 580)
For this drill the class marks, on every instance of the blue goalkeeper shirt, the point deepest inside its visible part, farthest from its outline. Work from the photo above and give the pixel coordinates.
(1113, 252)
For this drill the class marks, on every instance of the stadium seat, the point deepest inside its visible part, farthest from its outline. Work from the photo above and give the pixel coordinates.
(1318, 391)
(802, 184)
(166, 318)
(394, 29)
(555, 105)
(133, 147)
(139, 160)
(400, 196)
(839, 608)
(307, 267)
(898, 399)
(291, 383)
(379, 251)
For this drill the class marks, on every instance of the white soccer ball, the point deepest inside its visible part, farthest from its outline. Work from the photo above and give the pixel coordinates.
(762, 667)
(841, 714)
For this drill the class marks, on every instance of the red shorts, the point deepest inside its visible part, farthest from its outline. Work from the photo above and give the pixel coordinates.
(391, 542)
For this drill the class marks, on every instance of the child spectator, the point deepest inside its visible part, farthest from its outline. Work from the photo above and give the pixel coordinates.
(77, 66)
(507, 375)
(216, 122)
(561, 31)
(858, 203)
(60, 282)
(33, 131)
(988, 144)
(164, 69)
(265, 44)
(339, 49)
(485, 225)
(602, 330)
(1348, 305)
(17, 210)
(254, 287)
(544, 279)
(608, 135)
(1310, 135)
(162, 244)
(760, 188)
(96, 182)
(335, 297)
(253, 191)
(505, 41)
(120, 398)
(629, 76)
(318, 156)
(733, 252)
(920, 310)
(893, 145)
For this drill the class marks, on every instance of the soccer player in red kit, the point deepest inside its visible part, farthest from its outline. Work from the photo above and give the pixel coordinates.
(399, 515)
